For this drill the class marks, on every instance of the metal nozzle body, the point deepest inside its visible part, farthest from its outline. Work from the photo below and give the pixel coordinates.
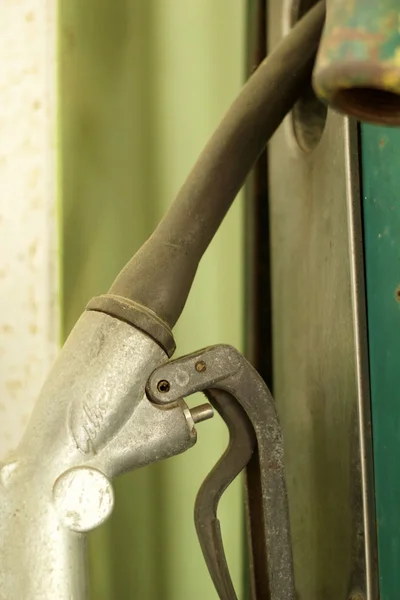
(91, 422)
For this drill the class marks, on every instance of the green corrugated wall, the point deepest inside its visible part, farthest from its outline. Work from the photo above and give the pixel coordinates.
(142, 85)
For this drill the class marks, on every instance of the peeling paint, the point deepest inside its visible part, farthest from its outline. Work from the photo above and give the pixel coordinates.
(360, 48)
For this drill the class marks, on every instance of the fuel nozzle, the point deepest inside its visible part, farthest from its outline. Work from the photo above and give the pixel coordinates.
(93, 420)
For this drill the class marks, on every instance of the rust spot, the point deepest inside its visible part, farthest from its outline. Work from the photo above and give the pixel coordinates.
(200, 366)
(273, 465)
(35, 203)
(32, 299)
(13, 385)
(33, 70)
(163, 386)
(32, 250)
(33, 328)
(33, 178)
(348, 34)
(397, 293)
(392, 19)
(382, 142)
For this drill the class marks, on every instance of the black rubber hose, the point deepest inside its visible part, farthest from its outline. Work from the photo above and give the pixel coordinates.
(161, 273)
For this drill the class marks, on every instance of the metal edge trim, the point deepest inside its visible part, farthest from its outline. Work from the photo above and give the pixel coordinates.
(360, 327)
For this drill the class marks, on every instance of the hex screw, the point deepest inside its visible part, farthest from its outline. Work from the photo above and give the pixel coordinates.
(163, 386)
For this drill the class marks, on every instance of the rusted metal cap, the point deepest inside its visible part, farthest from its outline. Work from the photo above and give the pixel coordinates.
(357, 70)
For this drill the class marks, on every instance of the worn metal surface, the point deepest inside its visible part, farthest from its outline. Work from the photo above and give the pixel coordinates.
(137, 315)
(242, 444)
(380, 161)
(358, 63)
(319, 384)
(92, 421)
(224, 369)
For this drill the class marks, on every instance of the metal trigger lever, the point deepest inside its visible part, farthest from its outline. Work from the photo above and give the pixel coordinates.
(242, 443)
(238, 393)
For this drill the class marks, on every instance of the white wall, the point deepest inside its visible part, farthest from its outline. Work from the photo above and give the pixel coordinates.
(28, 220)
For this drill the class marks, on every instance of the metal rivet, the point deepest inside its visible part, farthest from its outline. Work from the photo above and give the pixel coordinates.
(200, 366)
(163, 386)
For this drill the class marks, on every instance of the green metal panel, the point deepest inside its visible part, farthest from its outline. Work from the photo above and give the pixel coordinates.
(381, 184)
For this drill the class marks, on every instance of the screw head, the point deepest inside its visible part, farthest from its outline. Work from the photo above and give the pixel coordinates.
(163, 386)
(200, 366)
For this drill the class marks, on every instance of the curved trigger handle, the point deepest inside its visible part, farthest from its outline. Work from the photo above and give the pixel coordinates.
(242, 443)
(239, 394)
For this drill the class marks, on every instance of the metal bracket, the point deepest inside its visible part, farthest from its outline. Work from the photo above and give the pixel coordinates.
(239, 394)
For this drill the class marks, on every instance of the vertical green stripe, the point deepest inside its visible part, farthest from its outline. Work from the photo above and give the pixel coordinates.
(142, 85)
(381, 184)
